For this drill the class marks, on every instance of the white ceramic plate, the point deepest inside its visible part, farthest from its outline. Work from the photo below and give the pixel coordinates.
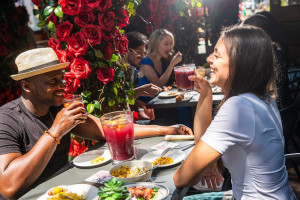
(177, 156)
(168, 94)
(84, 160)
(91, 192)
(162, 193)
(216, 89)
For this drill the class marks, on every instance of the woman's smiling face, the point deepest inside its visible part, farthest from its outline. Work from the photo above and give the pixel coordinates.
(219, 64)
(165, 46)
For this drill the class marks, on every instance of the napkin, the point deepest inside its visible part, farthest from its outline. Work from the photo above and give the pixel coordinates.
(179, 137)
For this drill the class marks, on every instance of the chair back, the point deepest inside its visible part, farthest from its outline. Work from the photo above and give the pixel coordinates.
(294, 84)
(289, 117)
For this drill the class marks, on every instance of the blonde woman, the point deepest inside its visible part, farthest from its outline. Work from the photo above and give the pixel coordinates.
(153, 68)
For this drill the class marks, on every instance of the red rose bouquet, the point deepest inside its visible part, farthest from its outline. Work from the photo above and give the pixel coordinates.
(89, 35)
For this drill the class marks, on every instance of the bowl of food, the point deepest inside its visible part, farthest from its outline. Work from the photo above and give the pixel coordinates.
(132, 171)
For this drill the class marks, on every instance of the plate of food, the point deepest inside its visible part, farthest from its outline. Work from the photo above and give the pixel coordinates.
(147, 191)
(76, 192)
(216, 89)
(168, 94)
(173, 157)
(92, 158)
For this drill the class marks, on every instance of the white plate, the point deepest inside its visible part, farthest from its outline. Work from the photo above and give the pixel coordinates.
(84, 160)
(216, 89)
(91, 192)
(168, 94)
(162, 193)
(177, 156)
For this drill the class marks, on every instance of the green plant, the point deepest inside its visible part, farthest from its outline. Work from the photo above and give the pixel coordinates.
(113, 189)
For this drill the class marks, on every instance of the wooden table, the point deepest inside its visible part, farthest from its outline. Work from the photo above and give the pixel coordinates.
(74, 175)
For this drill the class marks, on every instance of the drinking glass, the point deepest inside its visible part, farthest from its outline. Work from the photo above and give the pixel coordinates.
(73, 98)
(201, 71)
(118, 130)
(181, 77)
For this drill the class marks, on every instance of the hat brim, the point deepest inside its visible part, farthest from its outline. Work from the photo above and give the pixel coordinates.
(21, 76)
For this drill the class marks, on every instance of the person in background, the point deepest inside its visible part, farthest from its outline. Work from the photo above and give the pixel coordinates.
(35, 128)
(246, 133)
(265, 21)
(137, 43)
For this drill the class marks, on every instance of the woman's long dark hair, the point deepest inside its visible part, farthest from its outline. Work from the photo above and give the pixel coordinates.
(251, 62)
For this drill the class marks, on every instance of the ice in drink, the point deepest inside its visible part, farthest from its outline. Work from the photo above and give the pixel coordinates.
(181, 77)
(73, 98)
(118, 131)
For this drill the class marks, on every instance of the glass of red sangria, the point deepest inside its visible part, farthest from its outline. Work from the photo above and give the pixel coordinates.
(181, 77)
(118, 130)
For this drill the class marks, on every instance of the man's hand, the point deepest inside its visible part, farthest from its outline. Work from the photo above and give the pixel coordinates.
(148, 90)
(68, 118)
(212, 176)
(182, 129)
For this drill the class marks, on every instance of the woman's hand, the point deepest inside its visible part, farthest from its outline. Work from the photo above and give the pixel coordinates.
(200, 84)
(212, 176)
(68, 118)
(182, 129)
(176, 59)
(149, 90)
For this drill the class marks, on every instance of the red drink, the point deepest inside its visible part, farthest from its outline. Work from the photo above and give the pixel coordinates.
(181, 77)
(118, 131)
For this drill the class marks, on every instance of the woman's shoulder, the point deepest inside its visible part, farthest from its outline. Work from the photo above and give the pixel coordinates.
(146, 61)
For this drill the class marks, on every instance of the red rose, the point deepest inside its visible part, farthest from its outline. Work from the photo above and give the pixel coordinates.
(65, 56)
(104, 5)
(153, 5)
(36, 2)
(163, 11)
(105, 74)
(70, 7)
(121, 43)
(64, 31)
(54, 44)
(108, 50)
(122, 18)
(3, 50)
(85, 8)
(106, 20)
(107, 35)
(7, 37)
(91, 3)
(52, 18)
(81, 68)
(78, 44)
(84, 18)
(72, 83)
(93, 34)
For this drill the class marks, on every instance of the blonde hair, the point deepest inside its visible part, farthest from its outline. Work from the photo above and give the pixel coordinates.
(155, 38)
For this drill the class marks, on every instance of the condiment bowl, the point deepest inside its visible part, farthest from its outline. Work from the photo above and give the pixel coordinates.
(145, 176)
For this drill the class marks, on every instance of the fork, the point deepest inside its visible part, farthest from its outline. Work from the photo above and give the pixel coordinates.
(170, 149)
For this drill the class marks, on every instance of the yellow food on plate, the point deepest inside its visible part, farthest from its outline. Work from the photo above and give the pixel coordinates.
(163, 161)
(126, 172)
(97, 160)
(59, 193)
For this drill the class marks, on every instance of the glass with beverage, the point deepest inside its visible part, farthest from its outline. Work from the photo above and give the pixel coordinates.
(73, 98)
(181, 77)
(201, 71)
(118, 130)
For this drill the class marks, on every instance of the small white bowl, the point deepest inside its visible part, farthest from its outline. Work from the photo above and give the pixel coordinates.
(136, 163)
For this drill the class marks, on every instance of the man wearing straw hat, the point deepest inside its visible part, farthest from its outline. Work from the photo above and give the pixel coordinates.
(34, 129)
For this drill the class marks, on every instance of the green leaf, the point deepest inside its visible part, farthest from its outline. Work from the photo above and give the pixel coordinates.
(117, 195)
(36, 11)
(131, 93)
(114, 58)
(199, 4)
(90, 108)
(130, 5)
(58, 12)
(51, 27)
(86, 94)
(51, 3)
(120, 74)
(111, 102)
(48, 10)
(41, 24)
(99, 54)
(102, 64)
(115, 91)
(96, 104)
(120, 100)
(131, 101)
(121, 31)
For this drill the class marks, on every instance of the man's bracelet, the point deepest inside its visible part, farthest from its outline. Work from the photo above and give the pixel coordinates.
(55, 138)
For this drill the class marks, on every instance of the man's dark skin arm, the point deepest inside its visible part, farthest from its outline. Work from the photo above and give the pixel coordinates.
(18, 172)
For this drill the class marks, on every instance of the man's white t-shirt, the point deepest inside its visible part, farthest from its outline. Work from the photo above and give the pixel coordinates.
(247, 132)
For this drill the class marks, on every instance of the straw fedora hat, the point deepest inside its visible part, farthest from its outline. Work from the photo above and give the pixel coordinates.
(37, 61)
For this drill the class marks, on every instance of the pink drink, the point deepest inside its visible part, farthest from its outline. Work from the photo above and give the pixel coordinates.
(119, 135)
(181, 77)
